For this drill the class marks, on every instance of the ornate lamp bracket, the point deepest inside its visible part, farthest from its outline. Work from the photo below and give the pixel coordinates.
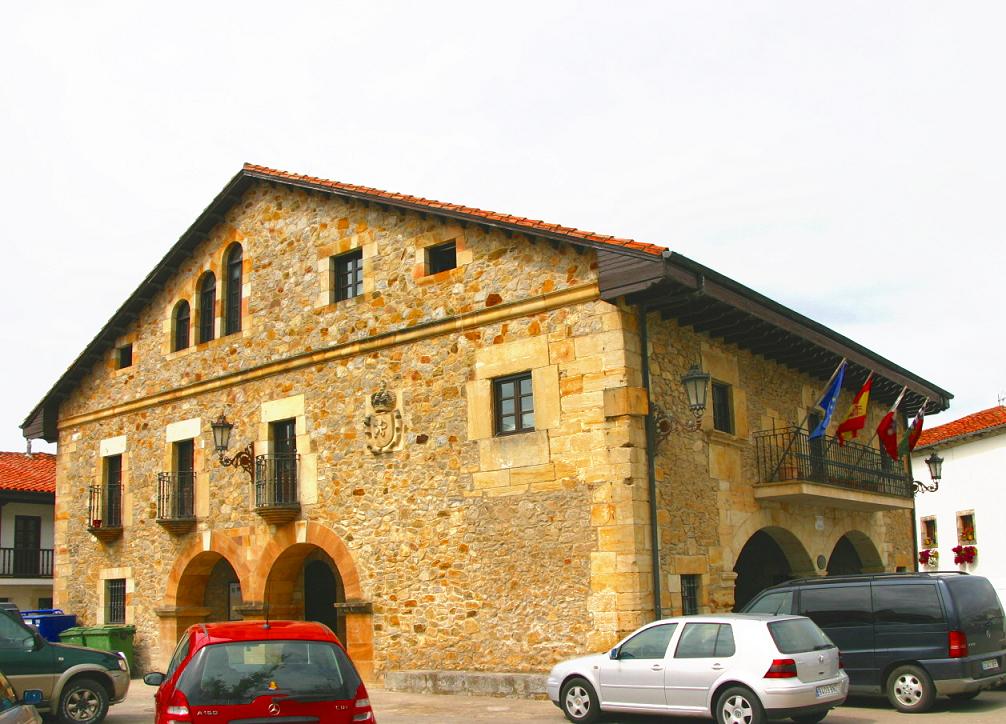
(244, 459)
(664, 423)
(919, 487)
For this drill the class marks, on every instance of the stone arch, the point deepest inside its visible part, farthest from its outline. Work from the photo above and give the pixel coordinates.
(854, 552)
(279, 574)
(770, 555)
(184, 597)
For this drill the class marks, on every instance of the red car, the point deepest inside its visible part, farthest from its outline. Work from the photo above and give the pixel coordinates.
(278, 671)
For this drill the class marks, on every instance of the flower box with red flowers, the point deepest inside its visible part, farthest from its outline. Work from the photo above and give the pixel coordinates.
(965, 554)
(929, 557)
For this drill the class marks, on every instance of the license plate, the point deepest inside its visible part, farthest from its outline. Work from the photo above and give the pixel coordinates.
(990, 664)
(827, 690)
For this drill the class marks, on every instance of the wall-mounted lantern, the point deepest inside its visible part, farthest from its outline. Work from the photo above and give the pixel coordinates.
(244, 459)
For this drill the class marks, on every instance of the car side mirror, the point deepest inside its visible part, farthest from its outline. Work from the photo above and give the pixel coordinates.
(30, 643)
(614, 653)
(32, 696)
(155, 678)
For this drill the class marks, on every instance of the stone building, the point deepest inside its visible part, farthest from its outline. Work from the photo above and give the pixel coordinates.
(447, 439)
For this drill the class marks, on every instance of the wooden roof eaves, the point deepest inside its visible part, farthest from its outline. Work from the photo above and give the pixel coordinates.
(701, 282)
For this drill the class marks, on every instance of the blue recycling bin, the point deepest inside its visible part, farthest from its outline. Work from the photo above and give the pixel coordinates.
(49, 622)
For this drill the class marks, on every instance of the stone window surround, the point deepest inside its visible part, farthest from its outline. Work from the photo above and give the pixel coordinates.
(107, 574)
(723, 368)
(363, 241)
(285, 409)
(190, 293)
(510, 463)
(107, 448)
(438, 237)
(928, 542)
(113, 357)
(960, 516)
(190, 429)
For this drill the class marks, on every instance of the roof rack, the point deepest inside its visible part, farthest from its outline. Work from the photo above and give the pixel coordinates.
(868, 577)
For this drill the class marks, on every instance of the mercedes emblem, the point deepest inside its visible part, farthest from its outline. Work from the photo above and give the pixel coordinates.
(274, 709)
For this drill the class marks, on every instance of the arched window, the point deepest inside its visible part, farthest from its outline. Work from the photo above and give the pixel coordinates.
(232, 290)
(207, 299)
(180, 326)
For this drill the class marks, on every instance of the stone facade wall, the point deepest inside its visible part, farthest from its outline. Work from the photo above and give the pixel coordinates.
(462, 543)
(706, 479)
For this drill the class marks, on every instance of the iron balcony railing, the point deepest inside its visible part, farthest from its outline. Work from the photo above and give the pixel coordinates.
(790, 454)
(175, 496)
(276, 480)
(104, 507)
(25, 562)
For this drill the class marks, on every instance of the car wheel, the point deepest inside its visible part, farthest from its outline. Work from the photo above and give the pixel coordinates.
(579, 702)
(84, 701)
(810, 718)
(910, 689)
(738, 705)
(964, 695)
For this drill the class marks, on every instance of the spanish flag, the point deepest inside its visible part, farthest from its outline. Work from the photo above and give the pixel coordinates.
(856, 419)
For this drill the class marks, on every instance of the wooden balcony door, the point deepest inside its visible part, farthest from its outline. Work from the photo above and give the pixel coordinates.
(27, 545)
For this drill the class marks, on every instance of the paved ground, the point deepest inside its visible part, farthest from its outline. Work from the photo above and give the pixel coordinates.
(398, 708)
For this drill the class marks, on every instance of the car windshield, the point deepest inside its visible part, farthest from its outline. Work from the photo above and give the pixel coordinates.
(238, 672)
(798, 636)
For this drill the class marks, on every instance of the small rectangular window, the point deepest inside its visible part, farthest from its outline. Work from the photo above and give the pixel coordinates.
(124, 356)
(929, 539)
(690, 594)
(441, 258)
(115, 600)
(513, 401)
(723, 413)
(966, 533)
(346, 275)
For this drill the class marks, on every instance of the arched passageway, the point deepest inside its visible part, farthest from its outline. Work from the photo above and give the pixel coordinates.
(854, 553)
(304, 583)
(770, 556)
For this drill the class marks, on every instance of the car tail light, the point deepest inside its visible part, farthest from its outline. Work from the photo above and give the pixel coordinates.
(178, 709)
(841, 664)
(957, 643)
(781, 669)
(362, 710)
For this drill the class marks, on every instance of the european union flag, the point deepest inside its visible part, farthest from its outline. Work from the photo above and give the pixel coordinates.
(828, 400)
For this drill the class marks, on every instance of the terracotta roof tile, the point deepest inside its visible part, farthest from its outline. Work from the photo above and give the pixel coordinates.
(533, 224)
(37, 473)
(967, 425)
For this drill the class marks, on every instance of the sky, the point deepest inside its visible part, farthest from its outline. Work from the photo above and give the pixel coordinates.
(845, 159)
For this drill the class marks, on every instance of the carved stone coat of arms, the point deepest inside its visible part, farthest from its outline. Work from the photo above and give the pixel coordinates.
(384, 425)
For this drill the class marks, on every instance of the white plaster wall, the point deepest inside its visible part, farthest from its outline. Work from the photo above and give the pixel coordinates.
(974, 478)
(45, 512)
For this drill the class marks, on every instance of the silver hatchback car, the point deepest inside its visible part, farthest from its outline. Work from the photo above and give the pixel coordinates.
(736, 667)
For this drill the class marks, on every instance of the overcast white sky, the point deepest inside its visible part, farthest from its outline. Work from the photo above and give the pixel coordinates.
(845, 159)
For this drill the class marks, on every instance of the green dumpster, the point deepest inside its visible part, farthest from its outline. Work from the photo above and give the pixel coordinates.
(74, 635)
(105, 638)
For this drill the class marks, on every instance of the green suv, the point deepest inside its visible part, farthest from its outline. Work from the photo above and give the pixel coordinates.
(77, 683)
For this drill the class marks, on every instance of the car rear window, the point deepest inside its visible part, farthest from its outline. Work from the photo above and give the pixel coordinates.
(774, 603)
(798, 636)
(238, 672)
(975, 599)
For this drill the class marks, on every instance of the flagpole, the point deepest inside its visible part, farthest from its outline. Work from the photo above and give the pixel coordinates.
(792, 438)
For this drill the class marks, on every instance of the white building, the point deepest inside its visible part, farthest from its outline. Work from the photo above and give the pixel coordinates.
(27, 505)
(966, 511)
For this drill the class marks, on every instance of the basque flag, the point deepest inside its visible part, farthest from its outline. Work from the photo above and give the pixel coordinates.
(828, 400)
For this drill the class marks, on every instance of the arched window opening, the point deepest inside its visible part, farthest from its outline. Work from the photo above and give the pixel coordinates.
(181, 326)
(207, 300)
(232, 290)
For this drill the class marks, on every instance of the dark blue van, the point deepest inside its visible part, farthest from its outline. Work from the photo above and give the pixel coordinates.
(911, 636)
